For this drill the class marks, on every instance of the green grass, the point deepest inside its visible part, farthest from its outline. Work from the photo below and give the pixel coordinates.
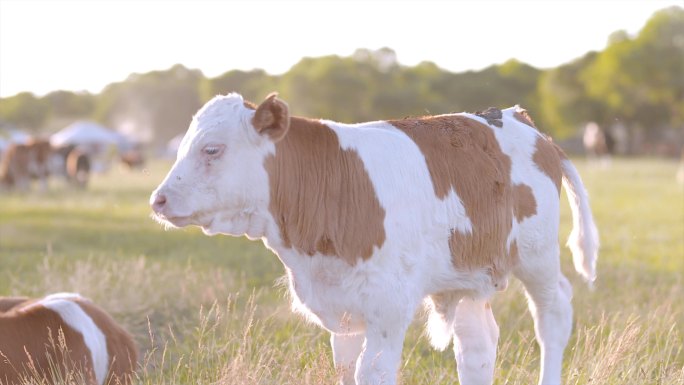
(206, 310)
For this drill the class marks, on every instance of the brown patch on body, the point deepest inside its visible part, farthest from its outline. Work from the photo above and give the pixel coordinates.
(522, 116)
(547, 156)
(513, 251)
(50, 342)
(501, 284)
(525, 205)
(322, 198)
(121, 349)
(464, 155)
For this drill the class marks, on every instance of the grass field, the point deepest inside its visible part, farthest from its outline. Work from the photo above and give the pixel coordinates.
(206, 310)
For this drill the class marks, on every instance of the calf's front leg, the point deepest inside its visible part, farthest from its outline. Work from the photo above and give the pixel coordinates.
(379, 361)
(346, 350)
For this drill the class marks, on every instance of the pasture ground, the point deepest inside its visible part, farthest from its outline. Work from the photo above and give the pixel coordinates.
(208, 310)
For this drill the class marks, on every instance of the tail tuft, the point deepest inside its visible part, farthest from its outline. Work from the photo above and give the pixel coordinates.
(441, 310)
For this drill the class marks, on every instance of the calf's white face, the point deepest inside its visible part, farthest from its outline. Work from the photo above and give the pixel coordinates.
(218, 181)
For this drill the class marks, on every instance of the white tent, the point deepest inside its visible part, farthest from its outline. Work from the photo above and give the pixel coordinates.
(9, 136)
(87, 133)
(13, 135)
(100, 143)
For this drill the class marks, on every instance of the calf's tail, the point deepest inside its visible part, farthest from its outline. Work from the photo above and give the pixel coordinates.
(584, 239)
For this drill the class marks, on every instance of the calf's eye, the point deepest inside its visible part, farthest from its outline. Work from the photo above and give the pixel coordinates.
(213, 149)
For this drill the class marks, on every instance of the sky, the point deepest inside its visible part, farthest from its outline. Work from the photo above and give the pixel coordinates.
(86, 44)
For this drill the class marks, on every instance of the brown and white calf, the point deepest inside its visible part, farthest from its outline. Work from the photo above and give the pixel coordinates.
(22, 162)
(373, 219)
(41, 338)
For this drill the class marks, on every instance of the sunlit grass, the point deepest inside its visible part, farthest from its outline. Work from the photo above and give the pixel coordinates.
(204, 310)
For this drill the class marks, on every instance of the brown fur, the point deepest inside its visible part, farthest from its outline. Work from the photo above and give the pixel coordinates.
(133, 159)
(7, 303)
(14, 168)
(25, 341)
(547, 156)
(525, 204)
(463, 154)
(321, 195)
(522, 116)
(21, 162)
(272, 117)
(41, 150)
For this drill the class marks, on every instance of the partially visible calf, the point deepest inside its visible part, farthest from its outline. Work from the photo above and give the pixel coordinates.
(61, 333)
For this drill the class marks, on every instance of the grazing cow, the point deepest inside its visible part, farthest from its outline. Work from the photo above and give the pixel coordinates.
(40, 339)
(78, 168)
(14, 167)
(598, 143)
(372, 219)
(133, 158)
(74, 164)
(22, 162)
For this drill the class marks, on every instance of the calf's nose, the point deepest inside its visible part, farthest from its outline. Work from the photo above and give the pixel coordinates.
(157, 201)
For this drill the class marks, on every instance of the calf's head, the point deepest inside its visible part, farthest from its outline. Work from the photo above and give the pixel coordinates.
(218, 181)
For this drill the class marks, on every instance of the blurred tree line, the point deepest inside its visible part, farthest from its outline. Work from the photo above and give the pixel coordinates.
(637, 81)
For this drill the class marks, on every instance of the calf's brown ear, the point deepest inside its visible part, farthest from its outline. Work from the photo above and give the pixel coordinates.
(272, 118)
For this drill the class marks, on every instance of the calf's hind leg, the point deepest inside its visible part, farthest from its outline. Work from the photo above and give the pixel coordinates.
(549, 297)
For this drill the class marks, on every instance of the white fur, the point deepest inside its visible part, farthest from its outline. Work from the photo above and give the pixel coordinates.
(476, 336)
(192, 188)
(77, 319)
(583, 240)
(368, 306)
(346, 350)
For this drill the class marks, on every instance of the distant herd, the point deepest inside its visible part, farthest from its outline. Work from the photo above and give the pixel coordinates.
(36, 160)
(21, 163)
